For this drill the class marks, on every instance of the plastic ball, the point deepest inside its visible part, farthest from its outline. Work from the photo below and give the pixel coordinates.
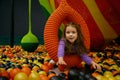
(21, 76)
(34, 75)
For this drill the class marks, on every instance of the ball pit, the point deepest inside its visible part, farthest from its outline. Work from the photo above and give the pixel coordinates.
(33, 61)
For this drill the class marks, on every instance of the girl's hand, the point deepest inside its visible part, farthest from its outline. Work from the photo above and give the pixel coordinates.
(61, 61)
(96, 66)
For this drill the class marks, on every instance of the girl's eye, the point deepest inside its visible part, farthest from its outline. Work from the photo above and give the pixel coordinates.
(73, 32)
(68, 32)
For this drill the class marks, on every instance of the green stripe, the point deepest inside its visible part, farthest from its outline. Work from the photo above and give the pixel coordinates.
(46, 5)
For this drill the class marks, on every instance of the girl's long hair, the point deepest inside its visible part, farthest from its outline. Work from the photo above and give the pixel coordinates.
(78, 46)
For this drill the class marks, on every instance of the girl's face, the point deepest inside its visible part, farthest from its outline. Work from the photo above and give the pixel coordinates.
(71, 34)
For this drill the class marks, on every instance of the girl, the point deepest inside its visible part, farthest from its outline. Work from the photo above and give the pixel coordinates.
(73, 43)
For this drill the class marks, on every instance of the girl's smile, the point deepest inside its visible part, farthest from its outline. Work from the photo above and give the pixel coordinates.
(71, 34)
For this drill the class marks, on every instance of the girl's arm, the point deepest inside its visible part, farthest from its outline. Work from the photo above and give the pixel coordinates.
(60, 55)
(86, 58)
(61, 47)
(89, 61)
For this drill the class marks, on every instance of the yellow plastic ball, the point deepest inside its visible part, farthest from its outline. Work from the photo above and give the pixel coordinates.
(21, 76)
(34, 76)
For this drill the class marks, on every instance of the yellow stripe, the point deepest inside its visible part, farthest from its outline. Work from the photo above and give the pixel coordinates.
(103, 25)
(52, 4)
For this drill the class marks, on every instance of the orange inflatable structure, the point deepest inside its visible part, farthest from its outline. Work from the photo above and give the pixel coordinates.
(63, 13)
